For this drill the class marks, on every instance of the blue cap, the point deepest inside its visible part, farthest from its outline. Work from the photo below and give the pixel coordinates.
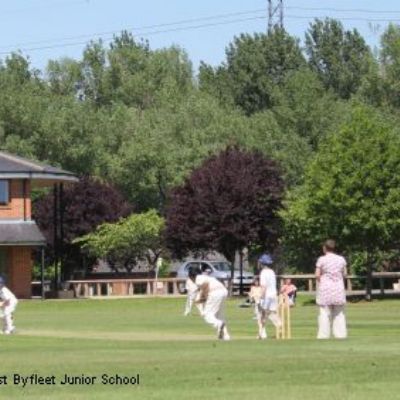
(2, 281)
(265, 259)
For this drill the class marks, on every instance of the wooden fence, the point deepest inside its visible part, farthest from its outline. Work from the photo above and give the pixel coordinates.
(175, 286)
(310, 281)
(130, 287)
(384, 279)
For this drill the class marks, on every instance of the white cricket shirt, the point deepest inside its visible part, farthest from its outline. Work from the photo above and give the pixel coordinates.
(7, 295)
(213, 283)
(268, 280)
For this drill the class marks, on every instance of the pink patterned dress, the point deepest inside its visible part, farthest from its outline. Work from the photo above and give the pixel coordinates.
(331, 291)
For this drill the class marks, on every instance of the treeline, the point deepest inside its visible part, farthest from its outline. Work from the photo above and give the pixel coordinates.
(142, 119)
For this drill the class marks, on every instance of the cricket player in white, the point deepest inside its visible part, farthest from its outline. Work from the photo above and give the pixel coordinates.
(9, 303)
(213, 294)
(269, 296)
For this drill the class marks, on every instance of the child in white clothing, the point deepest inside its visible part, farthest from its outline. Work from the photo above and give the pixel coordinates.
(269, 297)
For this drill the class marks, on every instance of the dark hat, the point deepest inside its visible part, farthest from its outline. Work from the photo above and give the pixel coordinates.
(193, 272)
(206, 268)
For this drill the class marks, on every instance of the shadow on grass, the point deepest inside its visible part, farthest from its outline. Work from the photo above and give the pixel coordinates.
(307, 302)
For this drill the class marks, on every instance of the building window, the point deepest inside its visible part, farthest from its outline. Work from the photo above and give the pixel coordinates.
(4, 192)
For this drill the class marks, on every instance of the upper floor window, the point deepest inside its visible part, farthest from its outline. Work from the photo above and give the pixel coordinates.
(4, 192)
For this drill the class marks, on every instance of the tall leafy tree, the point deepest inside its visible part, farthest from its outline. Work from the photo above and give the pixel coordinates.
(143, 78)
(17, 69)
(351, 192)
(340, 57)
(64, 76)
(255, 66)
(22, 101)
(390, 63)
(227, 203)
(307, 108)
(93, 70)
(160, 147)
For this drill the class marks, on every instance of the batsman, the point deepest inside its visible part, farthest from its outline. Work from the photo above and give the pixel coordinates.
(212, 294)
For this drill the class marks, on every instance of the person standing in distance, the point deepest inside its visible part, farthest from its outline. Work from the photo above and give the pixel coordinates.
(9, 303)
(213, 295)
(269, 296)
(331, 295)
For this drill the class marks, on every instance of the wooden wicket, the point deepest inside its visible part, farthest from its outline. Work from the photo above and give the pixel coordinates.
(285, 331)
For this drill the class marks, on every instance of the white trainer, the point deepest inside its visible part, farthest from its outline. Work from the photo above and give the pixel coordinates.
(262, 334)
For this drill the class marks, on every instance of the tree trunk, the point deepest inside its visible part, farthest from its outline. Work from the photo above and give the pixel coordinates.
(231, 258)
(368, 291)
(241, 272)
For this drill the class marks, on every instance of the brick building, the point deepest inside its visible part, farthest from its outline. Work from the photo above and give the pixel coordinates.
(19, 234)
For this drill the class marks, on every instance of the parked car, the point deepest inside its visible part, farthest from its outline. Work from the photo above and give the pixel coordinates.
(220, 270)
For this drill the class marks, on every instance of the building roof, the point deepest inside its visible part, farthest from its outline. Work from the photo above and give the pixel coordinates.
(15, 167)
(20, 233)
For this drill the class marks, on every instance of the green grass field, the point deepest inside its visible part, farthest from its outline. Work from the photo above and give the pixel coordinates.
(179, 358)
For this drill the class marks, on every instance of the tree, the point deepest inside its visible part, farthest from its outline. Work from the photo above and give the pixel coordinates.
(226, 204)
(87, 204)
(93, 70)
(217, 83)
(341, 58)
(159, 148)
(64, 75)
(390, 62)
(263, 133)
(351, 192)
(307, 108)
(144, 78)
(125, 243)
(22, 101)
(255, 66)
(17, 69)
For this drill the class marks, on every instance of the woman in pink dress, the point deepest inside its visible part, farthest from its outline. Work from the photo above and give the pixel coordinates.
(331, 295)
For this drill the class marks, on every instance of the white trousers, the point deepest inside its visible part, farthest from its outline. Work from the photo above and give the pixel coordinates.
(8, 323)
(272, 316)
(213, 311)
(268, 309)
(332, 318)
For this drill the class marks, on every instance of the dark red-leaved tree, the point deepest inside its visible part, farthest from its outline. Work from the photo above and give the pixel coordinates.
(87, 204)
(228, 203)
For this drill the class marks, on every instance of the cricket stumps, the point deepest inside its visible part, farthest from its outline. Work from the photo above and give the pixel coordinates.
(285, 330)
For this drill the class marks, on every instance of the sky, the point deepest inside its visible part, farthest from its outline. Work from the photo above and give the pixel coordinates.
(52, 29)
